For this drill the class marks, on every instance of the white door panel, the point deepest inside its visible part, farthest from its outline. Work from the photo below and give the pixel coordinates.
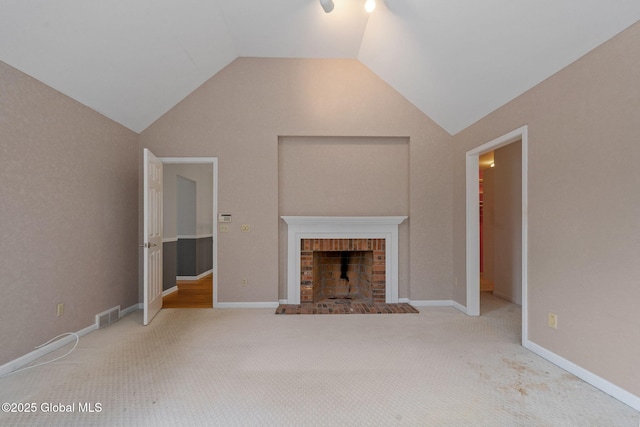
(152, 236)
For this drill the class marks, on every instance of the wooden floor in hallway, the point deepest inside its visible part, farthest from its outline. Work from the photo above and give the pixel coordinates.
(191, 294)
(486, 285)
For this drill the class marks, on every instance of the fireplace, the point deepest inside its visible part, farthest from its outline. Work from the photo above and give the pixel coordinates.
(342, 269)
(342, 258)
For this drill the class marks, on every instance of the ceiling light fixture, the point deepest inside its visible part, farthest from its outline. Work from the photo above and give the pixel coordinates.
(370, 5)
(327, 5)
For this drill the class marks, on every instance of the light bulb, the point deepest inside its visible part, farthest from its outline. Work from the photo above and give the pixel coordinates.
(370, 5)
(327, 5)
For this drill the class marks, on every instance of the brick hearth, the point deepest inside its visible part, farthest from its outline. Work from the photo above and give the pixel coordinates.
(345, 308)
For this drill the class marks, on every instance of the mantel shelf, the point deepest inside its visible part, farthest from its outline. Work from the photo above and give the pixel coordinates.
(380, 220)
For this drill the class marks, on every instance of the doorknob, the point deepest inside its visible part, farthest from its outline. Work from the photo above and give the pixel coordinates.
(147, 245)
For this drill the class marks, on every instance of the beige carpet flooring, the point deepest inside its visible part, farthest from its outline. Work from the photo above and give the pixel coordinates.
(250, 367)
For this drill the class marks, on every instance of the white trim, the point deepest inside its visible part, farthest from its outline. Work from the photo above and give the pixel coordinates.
(131, 309)
(439, 303)
(431, 303)
(198, 277)
(459, 307)
(473, 222)
(214, 162)
(504, 296)
(193, 236)
(473, 236)
(169, 291)
(28, 358)
(330, 221)
(169, 239)
(335, 227)
(283, 302)
(600, 383)
(43, 351)
(247, 305)
(187, 160)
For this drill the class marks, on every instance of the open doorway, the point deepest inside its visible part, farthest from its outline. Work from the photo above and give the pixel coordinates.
(486, 165)
(473, 278)
(190, 232)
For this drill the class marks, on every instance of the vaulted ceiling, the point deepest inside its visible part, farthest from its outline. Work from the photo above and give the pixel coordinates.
(456, 60)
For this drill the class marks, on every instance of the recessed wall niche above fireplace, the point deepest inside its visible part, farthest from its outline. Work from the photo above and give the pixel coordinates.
(350, 248)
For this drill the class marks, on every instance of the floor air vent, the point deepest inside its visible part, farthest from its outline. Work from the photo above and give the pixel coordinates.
(108, 317)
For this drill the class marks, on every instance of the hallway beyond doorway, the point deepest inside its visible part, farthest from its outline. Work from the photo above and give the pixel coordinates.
(191, 294)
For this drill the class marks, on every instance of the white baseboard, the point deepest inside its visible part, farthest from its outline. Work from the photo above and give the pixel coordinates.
(129, 310)
(600, 383)
(459, 307)
(28, 358)
(438, 303)
(247, 305)
(198, 277)
(169, 291)
(22, 361)
(283, 301)
(503, 296)
(431, 303)
(506, 297)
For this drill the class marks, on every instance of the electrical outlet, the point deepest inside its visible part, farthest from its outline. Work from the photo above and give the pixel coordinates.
(60, 309)
(244, 281)
(246, 228)
(552, 320)
(224, 228)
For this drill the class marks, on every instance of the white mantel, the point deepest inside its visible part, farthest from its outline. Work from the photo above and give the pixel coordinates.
(342, 227)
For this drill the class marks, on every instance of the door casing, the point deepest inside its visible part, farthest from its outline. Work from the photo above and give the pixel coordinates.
(473, 222)
(214, 162)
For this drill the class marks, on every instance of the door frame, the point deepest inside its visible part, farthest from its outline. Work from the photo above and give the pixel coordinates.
(214, 162)
(473, 221)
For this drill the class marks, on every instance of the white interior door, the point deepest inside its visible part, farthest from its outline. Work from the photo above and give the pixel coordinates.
(152, 236)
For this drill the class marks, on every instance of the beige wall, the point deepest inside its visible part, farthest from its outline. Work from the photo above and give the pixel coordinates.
(507, 222)
(239, 115)
(487, 226)
(202, 174)
(584, 207)
(321, 175)
(68, 221)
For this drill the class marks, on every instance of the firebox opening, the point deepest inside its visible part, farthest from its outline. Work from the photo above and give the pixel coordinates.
(344, 265)
(342, 276)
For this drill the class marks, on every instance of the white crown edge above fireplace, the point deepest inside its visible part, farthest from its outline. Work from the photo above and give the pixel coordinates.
(347, 220)
(342, 227)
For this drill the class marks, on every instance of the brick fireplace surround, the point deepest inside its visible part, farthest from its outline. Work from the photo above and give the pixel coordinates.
(311, 235)
(321, 257)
